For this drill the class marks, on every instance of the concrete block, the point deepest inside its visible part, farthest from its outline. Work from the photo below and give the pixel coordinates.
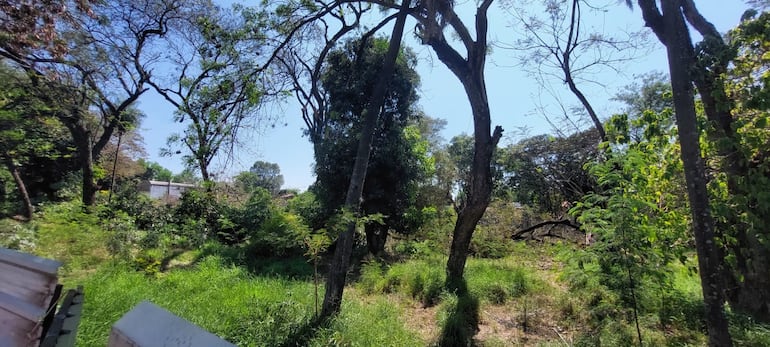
(149, 325)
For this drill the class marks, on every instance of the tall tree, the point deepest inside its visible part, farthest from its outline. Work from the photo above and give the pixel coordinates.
(155, 171)
(438, 185)
(213, 84)
(340, 262)
(27, 26)
(94, 80)
(544, 171)
(393, 168)
(738, 134)
(433, 18)
(670, 26)
(560, 45)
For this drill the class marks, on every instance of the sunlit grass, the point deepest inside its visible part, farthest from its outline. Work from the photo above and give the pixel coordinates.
(224, 300)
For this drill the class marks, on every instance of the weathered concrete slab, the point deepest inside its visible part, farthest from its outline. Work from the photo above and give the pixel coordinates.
(27, 277)
(150, 325)
(27, 284)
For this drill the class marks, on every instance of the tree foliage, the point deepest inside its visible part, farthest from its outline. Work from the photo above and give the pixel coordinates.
(214, 85)
(396, 160)
(639, 213)
(35, 146)
(261, 175)
(544, 171)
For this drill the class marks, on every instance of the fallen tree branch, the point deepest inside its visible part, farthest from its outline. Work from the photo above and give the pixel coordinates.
(517, 235)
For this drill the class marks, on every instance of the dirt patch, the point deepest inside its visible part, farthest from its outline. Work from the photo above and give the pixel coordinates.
(422, 320)
(525, 322)
(533, 319)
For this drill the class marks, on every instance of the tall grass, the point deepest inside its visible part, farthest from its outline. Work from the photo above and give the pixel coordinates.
(224, 300)
(497, 281)
(377, 323)
(493, 281)
(237, 306)
(421, 279)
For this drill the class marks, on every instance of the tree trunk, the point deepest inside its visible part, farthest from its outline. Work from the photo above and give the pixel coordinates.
(470, 72)
(680, 57)
(82, 138)
(480, 181)
(204, 170)
(376, 237)
(87, 166)
(748, 284)
(338, 268)
(26, 201)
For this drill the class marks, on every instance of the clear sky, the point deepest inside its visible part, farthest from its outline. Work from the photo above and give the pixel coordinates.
(513, 95)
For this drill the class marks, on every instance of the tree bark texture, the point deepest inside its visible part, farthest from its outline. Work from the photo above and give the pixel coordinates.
(680, 56)
(338, 268)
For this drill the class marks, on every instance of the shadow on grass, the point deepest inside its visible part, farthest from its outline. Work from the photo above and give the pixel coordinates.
(291, 266)
(166, 261)
(305, 334)
(462, 321)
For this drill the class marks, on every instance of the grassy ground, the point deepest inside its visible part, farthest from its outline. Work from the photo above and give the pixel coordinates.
(522, 299)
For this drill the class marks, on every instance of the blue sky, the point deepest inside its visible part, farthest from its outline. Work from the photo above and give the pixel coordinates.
(513, 95)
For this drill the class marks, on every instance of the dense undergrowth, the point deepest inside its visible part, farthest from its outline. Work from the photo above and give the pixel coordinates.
(535, 294)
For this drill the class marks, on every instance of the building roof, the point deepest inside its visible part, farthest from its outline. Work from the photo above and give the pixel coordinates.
(173, 184)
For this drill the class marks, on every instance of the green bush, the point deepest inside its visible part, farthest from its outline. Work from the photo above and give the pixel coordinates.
(199, 216)
(281, 234)
(149, 261)
(486, 243)
(122, 235)
(492, 238)
(308, 207)
(748, 333)
(373, 279)
(65, 232)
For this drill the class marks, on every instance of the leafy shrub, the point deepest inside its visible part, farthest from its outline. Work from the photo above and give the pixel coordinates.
(487, 243)
(191, 234)
(68, 224)
(492, 238)
(747, 332)
(257, 210)
(308, 208)
(373, 279)
(149, 261)
(122, 235)
(148, 214)
(280, 235)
